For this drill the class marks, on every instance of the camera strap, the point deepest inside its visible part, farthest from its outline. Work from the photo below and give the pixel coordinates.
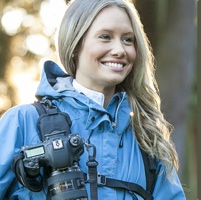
(92, 171)
(51, 119)
(132, 188)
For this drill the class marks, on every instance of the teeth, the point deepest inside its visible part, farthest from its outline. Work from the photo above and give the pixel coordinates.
(117, 65)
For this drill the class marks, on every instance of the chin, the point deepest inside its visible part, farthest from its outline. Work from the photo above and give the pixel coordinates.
(114, 83)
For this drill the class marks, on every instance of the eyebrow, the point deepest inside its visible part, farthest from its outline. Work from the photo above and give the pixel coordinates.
(111, 31)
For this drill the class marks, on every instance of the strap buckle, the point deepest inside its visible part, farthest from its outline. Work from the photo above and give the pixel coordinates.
(101, 180)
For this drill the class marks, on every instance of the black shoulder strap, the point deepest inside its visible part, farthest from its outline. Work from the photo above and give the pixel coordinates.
(51, 119)
(44, 106)
(151, 176)
(133, 188)
(150, 171)
(40, 108)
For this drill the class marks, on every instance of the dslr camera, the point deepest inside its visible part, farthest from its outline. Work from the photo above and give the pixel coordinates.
(56, 156)
(59, 153)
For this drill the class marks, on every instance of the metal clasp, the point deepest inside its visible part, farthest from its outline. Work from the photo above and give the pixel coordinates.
(92, 155)
(101, 180)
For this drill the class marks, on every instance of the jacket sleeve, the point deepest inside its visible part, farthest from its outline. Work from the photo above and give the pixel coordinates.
(168, 188)
(17, 128)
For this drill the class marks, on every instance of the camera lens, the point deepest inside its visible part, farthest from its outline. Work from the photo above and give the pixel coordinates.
(68, 185)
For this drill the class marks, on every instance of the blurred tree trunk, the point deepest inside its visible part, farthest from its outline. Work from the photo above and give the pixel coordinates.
(7, 92)
(176, 67)
(173, 36)
(4, 45)
(148, 15)
(173, 41)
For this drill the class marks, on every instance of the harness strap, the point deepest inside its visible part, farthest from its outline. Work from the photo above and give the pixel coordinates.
(40, 109)
(150, 171)
(92, 172)
(129, 186)
(46, 107)
(93, 182)
(119, 184)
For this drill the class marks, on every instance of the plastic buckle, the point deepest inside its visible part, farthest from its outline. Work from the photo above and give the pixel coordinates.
(86, 178)
(101, 180)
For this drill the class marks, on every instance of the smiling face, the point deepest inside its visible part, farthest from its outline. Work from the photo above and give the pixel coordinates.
(108, 53)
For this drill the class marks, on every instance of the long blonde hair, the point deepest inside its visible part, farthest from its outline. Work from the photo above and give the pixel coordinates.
(151, 129)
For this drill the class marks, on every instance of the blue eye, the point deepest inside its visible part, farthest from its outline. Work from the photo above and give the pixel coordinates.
(128, 40)
(104, 37)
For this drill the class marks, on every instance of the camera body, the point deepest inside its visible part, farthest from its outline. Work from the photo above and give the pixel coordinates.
(58, 154)
(58, 151)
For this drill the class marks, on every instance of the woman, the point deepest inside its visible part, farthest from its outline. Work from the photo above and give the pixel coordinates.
(111, 96)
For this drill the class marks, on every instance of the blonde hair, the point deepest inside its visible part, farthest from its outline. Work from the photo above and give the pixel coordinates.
(151, 129)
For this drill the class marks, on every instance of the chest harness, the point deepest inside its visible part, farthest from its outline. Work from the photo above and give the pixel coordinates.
(51, 112)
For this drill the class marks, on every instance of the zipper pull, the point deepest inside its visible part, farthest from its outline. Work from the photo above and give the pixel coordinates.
(114, 124)
(121, 142)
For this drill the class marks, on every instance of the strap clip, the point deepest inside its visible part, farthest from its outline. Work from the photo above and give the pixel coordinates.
(101, 180)
(91, 155)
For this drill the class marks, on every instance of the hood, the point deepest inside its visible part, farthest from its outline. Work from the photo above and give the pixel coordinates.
(51, 72)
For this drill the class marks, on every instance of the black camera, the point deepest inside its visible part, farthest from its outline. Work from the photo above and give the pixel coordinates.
(57, 155)
(57, 151)
(60, 153)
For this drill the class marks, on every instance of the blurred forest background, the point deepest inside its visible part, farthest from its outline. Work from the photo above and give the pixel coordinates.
(27, 39)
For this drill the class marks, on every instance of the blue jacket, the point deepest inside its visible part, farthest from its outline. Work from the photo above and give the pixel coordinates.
(18, 128)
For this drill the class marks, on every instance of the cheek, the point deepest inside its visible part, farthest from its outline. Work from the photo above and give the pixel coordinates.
(130, 69)
(132, 55)
(87, 59)
(90, 52)
(97, 51)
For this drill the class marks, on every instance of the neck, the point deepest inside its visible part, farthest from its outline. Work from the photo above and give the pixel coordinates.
(108, 93)
(105, 94)
(108, 97)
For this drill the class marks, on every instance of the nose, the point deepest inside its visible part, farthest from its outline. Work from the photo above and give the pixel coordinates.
(118, 50)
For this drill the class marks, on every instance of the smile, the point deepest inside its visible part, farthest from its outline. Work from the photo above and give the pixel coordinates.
(116, 65)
